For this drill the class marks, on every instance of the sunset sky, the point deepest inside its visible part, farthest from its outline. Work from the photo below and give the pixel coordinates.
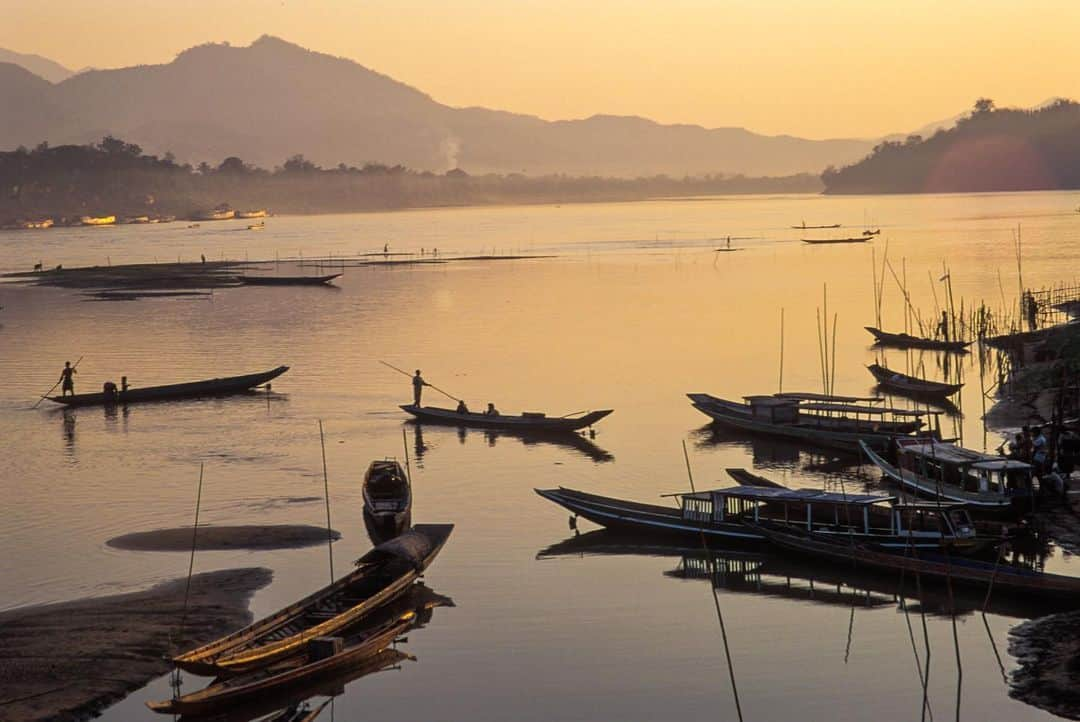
(824, 68)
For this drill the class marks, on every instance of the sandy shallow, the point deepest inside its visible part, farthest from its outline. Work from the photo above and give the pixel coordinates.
(210, 538)
(70, 660)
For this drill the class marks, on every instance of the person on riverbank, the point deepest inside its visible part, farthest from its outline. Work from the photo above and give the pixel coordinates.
(418, 385)
(67, 379)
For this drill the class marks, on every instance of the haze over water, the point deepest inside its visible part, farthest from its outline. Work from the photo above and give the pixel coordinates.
(633, 311)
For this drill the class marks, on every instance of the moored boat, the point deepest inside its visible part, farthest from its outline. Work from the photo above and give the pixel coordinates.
(904, 340)
(852, 239)
(289, 280)
(804, 227)
(382, 575)
(387, 497)
(254, 213)
(192, 389)
(998, 577)
(531, 421)
(221, 213)
(832, 421)
(911, 385)
(942, 470)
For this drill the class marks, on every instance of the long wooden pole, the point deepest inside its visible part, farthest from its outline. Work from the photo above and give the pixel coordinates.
(780, 388)
(406, 373)
(326, 490)
(54, 387)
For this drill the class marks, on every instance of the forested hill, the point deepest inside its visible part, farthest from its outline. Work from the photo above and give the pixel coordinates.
(990, 150)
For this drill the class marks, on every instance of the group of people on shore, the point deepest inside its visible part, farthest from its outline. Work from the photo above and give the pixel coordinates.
(1052, 464)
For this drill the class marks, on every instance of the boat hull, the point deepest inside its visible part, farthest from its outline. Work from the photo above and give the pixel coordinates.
(911, 386)
(289, 280)
(194, 389)
(903, 340)
(435, 415)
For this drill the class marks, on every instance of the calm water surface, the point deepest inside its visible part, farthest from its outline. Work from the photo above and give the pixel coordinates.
(633, 311)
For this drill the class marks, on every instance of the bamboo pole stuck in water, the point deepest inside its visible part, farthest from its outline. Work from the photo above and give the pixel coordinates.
(326, 489)
(780, 386)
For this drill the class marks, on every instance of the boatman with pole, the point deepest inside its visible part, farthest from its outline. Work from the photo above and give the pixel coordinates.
(67, 379)
(418, 385)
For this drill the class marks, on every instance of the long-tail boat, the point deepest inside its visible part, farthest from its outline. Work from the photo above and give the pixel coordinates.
(943, 470)
(837, 422)
(387, 498)
(853, 239)
(189, 390)
(904, 340)
(804, 227)
(382, 575)
(359, 651)
(288, 280)
(911, 385)
(529, 421)
(998, 577)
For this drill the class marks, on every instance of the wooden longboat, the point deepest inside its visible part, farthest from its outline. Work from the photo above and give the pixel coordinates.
(911, 385)
(190, 390)
(941, 470)
(631, 515)
(387, 497)
(820, 241)
(782, 417)
(805, 227)
(383, 574)
(904, 340)
(288, 280)
(972, 572)
(525, 422)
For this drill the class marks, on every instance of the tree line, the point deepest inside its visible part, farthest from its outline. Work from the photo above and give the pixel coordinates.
(991, 149)
(117, 177)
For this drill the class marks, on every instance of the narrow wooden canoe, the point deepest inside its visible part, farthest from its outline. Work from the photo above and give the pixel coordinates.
(805, 227)
(1004, 578)
(288, 280)
(530, 422)
(387, 497)
(190, 390)
(855, 239)
(910, 385)
(904, 340)
(383, 574)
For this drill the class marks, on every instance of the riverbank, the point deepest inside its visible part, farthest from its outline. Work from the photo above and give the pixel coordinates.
(69, 661)
(1047, 650)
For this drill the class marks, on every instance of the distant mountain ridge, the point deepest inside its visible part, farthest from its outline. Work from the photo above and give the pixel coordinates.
(50, 70)
(273, 99)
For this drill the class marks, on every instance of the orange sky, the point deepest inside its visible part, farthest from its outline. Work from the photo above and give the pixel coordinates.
(814, 68)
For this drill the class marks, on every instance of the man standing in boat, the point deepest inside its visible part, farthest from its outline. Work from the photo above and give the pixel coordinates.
(67, 379)
(418, 385)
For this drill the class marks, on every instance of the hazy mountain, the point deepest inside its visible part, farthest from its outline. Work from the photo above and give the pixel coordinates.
(42, 67)
(274, 99)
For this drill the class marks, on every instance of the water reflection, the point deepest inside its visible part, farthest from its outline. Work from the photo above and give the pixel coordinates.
(69, 431)
(764, 572)
(778, 454)
(573, 441)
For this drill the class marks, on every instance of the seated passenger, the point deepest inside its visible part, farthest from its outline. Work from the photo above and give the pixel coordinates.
(491, 410)
(109, 391)
(462, 408)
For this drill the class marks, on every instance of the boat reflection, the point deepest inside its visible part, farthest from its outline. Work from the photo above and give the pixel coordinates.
(767, 573)
(568, 440)
(778, 454)
(293, 701)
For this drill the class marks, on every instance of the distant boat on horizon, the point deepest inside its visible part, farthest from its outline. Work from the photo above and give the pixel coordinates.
(804, 227)
(98, 220)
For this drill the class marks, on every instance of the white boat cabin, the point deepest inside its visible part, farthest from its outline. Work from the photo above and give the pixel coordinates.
(869, 517)
(972, 471)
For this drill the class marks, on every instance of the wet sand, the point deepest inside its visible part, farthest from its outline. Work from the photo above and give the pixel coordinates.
(71, 660)
(1048, 650)
(211, 538)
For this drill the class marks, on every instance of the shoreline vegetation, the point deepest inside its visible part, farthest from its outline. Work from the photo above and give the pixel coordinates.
(989, 150)
(115, 182)
(72, 660)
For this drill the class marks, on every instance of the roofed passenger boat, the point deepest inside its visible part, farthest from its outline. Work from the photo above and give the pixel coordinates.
(904, 340)
(943, 470)
(528, 421)
(911, 385)
(382, 575)
(839, 422)
(193, 389)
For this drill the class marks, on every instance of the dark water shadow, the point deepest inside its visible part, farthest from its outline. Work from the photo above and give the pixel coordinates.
(763, 571)
(440, 433)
